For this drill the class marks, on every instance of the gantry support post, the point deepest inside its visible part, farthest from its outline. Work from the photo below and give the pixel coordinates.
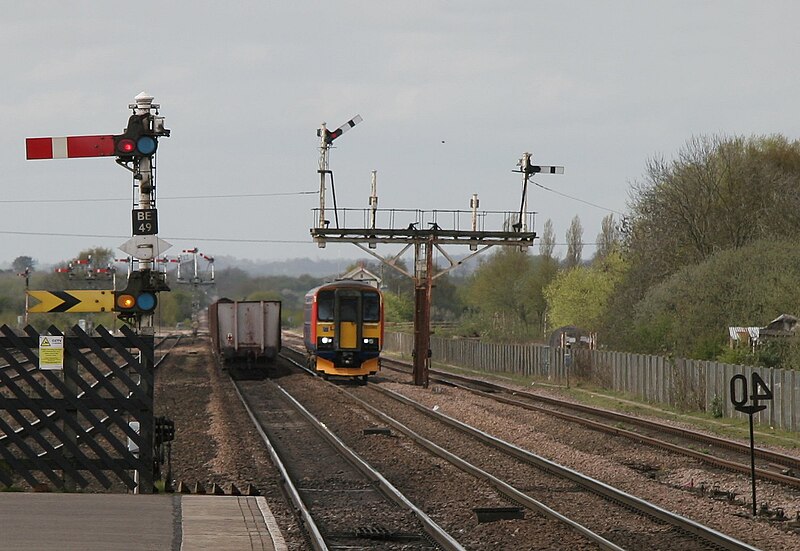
(423, 283)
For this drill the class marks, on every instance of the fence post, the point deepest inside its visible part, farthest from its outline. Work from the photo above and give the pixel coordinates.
(70, 375)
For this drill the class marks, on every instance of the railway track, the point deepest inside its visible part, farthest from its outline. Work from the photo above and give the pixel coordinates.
(528, 481)
(342, 501)
(715, 451)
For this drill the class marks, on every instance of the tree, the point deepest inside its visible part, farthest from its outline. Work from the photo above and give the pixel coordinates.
(446, 300)
(717, 194)
(579, 296)
(609, 238)
(398, 308)
(547, 242)
(543, 271)
(22, 263)
(175, 306)
(720, 193)
(574, 243)
(690, 312)
(504, 295)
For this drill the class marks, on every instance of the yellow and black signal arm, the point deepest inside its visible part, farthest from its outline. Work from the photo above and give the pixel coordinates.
(72, 301)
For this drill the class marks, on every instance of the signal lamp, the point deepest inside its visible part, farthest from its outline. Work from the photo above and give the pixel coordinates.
(126, 302)
(146, 302)
(137, 141)
(125, 146)
(137, 298)
(146, 145)
(142, 302)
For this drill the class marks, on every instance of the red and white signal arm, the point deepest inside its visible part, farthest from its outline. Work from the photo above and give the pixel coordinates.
(69, 147)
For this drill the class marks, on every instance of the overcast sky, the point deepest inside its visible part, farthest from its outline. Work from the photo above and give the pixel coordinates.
(451, 94)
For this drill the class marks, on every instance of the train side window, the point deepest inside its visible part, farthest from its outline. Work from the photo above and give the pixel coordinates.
(325, 306)
(348, 309)
(372, 310)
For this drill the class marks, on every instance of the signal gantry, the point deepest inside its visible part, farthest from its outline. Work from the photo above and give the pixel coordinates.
(424, 231)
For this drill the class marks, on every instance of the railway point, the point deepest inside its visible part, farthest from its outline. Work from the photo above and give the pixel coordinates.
(99, 522)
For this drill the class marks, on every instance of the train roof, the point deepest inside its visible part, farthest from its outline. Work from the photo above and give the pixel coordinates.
(343, 284)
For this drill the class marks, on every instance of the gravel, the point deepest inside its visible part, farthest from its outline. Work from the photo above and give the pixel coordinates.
(215, 443)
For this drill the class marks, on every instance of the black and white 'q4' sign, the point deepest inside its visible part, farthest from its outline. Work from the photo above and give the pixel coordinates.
(740, 391)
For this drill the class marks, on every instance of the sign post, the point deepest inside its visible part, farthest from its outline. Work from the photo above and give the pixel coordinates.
(739, 398)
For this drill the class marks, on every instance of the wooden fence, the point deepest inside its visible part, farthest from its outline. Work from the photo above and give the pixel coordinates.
(680, 383)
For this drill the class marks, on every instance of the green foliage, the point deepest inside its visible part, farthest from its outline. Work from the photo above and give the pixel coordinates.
(574, 243)
(718, 194)
(504, 296)
(579, 296)
(716, 407)
(609, 239)
(175, 306)
(689, 313)
(447, 304)
(397, 308)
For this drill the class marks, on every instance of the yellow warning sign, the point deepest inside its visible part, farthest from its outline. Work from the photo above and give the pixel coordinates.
(51, 352)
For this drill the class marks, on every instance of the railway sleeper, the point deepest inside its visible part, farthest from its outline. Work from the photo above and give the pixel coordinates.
(380, 533)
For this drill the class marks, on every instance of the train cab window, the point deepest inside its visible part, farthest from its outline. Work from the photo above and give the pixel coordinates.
(348, 309)
(372, 307)
(325, 306)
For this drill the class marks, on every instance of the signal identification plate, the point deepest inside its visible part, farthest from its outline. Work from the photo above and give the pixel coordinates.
(145, 221)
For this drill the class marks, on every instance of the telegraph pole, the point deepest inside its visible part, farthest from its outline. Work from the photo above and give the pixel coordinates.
(427, 232)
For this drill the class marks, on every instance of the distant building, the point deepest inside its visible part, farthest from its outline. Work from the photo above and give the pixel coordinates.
(783, 326)
(362, 274)
(743, 336)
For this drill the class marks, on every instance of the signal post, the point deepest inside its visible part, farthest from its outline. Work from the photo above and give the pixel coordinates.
(135, 151)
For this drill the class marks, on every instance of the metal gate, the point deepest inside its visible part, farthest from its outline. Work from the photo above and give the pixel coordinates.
(88, 424)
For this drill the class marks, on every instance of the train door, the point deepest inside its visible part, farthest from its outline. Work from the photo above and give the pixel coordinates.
(349, 322)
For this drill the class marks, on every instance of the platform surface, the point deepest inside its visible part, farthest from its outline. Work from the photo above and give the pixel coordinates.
(173, 522)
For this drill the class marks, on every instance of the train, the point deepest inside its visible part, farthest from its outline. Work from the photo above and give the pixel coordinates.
(246, 332)
(343, 329)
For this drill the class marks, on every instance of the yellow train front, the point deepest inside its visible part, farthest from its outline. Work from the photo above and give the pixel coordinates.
(343, 329)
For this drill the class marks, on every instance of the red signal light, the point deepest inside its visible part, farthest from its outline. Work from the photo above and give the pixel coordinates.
(126, 145)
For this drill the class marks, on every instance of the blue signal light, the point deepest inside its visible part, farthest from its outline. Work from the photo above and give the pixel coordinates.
(146, 145)
(146, 301)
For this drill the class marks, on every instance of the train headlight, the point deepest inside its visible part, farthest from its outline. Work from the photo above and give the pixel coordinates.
(325, 343)
(370, 343)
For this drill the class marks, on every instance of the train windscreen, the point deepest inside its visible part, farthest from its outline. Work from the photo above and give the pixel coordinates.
(372, 307)
(348, 309)
(325, 306)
